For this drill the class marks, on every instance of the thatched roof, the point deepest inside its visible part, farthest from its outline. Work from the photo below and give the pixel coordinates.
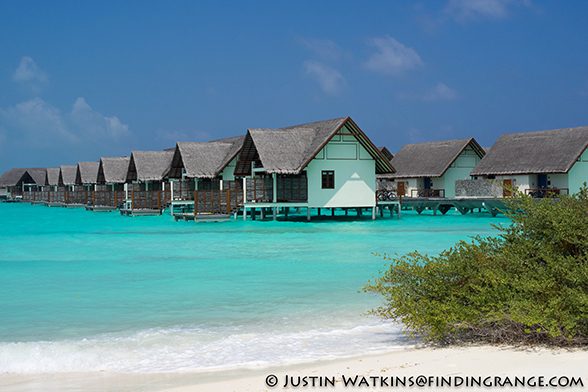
(16, 177)
(541, 152)
(430, 159)
(12, 177)
(149, 165)
(289, 150)
(3, 178)
(87, 173)
(52, 178)
(113, 170)
(204, 160)
(38, 175)
(67, 174)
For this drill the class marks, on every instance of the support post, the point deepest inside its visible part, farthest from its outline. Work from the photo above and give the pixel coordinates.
(275, 213)
(275, 188)
(333, 211)
(308, 214)
(244, 213)
(374, 213)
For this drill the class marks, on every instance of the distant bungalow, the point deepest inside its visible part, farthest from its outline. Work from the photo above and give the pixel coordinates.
(50, 189)
(20, 182)
(110, 184)
(538, 163)
(86, 175)
(68, 191)
(326, 164)
(431, 169)
(148, 191)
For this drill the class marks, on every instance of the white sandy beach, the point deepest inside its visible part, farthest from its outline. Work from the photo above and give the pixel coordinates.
(457, 365)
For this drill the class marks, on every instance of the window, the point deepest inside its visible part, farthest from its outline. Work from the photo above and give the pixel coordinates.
(328, 177)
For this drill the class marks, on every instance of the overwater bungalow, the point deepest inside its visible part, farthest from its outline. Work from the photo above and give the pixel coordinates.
(431, 169)
(12, 181)
(68, 193)
(148, 191)
(50, 188)
(31, 182)
(328, 164)
(86, 175)
(3, 188)
(538, 163)
(111, 187)
(204, 172)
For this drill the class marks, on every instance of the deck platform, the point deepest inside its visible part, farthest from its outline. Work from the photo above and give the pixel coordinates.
(186, 216)
(137, 212)
(101, 208)
(211, 217)
(461, 204)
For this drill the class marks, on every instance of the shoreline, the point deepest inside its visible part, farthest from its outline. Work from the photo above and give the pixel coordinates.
(453, 363)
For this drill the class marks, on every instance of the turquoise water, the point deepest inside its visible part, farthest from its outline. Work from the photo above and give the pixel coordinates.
(83, 291)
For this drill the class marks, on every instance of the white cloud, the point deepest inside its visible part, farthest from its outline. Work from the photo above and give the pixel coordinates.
(38, 124)
(469, 10)
(29, 75)
(330, 80)
(324, 48)
(441, 92)
(392, 57)
(92, 125)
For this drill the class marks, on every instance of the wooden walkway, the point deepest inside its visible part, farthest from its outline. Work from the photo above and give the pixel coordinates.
(462, 204)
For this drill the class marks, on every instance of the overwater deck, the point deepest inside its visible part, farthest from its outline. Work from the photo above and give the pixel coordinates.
(462, 204)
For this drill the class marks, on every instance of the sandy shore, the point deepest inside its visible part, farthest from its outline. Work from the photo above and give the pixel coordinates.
(370, 372)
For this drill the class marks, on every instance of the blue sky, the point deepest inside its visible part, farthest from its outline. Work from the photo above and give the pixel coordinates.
(82, 80)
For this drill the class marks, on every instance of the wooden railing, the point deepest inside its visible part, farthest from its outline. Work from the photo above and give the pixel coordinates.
(427, 193)
(78, 196)
(149, 200)
(108, 198)
(16, 192)
(540, 193)
(59, 196)
(216, 201)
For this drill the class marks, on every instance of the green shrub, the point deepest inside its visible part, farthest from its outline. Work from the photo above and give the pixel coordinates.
(527, 284)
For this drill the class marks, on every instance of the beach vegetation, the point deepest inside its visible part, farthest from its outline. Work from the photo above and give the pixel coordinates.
(527, 284)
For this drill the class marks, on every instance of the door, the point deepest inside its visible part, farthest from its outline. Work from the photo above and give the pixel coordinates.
(542, 181)
(507, 190)
(401, 191)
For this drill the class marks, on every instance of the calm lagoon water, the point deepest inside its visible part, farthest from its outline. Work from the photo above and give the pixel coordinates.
(83, 291)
